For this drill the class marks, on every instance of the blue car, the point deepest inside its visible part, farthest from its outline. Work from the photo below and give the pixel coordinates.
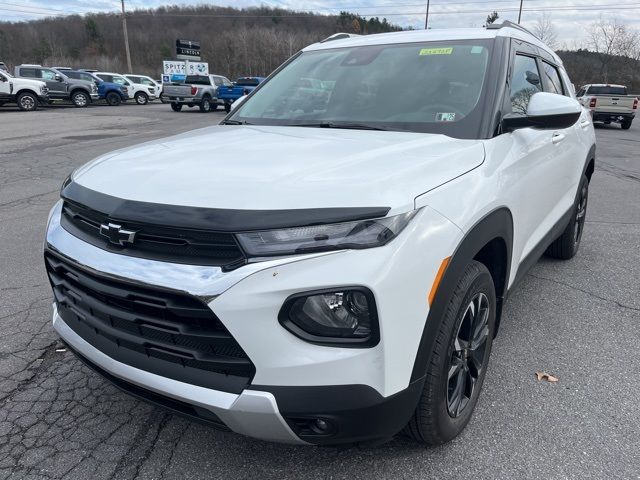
(242, 86)
(113, 93)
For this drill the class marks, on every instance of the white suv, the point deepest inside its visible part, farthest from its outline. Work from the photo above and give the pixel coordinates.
(335, 271)
(145, 87)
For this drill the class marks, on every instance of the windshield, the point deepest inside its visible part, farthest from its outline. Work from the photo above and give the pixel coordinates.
(422, 87)
(607, 91)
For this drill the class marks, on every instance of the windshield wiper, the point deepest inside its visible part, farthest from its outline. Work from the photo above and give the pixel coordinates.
(349, 126)
(235, 122)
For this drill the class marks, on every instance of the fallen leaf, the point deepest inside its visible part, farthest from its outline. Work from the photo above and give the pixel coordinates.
(546, 376)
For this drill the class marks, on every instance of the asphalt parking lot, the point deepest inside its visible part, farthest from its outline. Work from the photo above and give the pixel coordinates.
(579, 320)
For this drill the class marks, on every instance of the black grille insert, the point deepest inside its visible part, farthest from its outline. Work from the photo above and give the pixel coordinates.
(179, 245)
(163, 332)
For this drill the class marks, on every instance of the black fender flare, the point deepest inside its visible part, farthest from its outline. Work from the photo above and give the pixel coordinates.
(589, 163)
(496, 224)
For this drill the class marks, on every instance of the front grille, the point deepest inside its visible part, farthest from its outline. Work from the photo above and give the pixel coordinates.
(170, 244)
(163, 332)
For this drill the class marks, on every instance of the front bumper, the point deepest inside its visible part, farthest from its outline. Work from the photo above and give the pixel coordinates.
(95, 97)
(364, 392)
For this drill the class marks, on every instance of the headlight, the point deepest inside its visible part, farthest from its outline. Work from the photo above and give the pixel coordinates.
(337, 317)
(335, 236)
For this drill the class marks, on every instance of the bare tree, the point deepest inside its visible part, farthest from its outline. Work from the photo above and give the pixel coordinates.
(492, 17)
(546, 31)
(607, 38)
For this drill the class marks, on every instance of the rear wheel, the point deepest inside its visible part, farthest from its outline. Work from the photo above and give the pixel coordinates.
(176, 107)
(80, 99)
(141, 98)
(205, 105)
(459, 360)
(227, 107)
(567, 244)
(626, 125)
(27, 102)
(113, 99)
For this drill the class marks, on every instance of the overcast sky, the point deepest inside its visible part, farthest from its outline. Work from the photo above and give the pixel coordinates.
(570, 18)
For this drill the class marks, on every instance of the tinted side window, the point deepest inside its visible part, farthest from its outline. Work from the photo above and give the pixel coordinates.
(581, 92)
(525, 82)
(29, 73)
(554, 84)
(106, 78)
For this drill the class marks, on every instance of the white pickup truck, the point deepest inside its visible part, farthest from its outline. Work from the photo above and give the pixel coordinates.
(609, 103)
(28, 94)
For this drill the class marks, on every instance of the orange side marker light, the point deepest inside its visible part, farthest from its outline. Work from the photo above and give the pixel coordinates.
(436, 281)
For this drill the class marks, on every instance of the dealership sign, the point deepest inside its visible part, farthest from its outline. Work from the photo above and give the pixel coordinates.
(188, 50)
(178, 70)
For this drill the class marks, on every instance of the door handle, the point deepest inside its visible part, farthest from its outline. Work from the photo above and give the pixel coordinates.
(584, 123)
(558, 137)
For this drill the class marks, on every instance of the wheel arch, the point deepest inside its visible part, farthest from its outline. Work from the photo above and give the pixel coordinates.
(590, 163)
(25, 90)
(490, 242)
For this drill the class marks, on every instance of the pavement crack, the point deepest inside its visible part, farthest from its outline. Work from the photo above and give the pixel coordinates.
(592, 294)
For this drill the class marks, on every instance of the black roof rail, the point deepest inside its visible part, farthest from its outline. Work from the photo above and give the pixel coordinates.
(507, 23)
(339, 36)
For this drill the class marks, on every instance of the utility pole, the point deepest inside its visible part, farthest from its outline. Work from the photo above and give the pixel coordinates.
(426, 17)
(520, 12)
(126, 38)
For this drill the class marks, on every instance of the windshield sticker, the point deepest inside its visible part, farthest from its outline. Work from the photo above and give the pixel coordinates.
(476, 49)
(436, 51)
(445, 117)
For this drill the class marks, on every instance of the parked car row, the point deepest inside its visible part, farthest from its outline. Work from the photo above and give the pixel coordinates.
(208, 92)
(35, 85)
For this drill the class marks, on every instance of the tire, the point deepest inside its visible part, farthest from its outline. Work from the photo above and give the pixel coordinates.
(227, 107)
(626, 125)
(567, 244)
(214, 107)
(27, 102)
(449, 397)
(80, 99)
(113, 99)
(176, 107)
(163, 99)
(141, 98)
(205, 105)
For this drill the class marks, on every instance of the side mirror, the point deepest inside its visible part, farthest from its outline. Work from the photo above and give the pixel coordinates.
(58, 78)
(547, 111)
(3, 78)
(235, 104)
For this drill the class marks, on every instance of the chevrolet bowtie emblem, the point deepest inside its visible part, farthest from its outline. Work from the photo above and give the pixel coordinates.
(116, 234)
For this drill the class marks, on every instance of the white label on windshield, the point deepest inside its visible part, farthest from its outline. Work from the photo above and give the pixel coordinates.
(445, 117)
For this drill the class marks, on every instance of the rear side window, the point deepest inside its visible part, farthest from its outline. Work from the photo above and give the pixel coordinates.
(248, 82)
(29, 73)
(197, 80)
(106, 78)
(525, 82)
(554, 84)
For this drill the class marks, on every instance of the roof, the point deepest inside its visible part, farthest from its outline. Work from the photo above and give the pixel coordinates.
(432, 35)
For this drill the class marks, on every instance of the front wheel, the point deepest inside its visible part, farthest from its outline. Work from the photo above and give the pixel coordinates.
(176, 107)
(80, 99)
(458, 361)
(567, 244)
(27, 102)
(205, 105)
(141, 98)
(113, 99)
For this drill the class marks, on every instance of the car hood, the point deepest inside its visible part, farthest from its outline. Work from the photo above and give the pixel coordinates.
(270, 168)
(28, 81)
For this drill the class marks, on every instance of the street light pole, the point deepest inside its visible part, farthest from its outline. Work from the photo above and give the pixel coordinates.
(126, 38)
(520, 12)
(426, 17)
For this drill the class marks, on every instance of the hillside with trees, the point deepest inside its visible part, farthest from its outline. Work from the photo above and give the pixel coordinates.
(235, 42)
(254, 41)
